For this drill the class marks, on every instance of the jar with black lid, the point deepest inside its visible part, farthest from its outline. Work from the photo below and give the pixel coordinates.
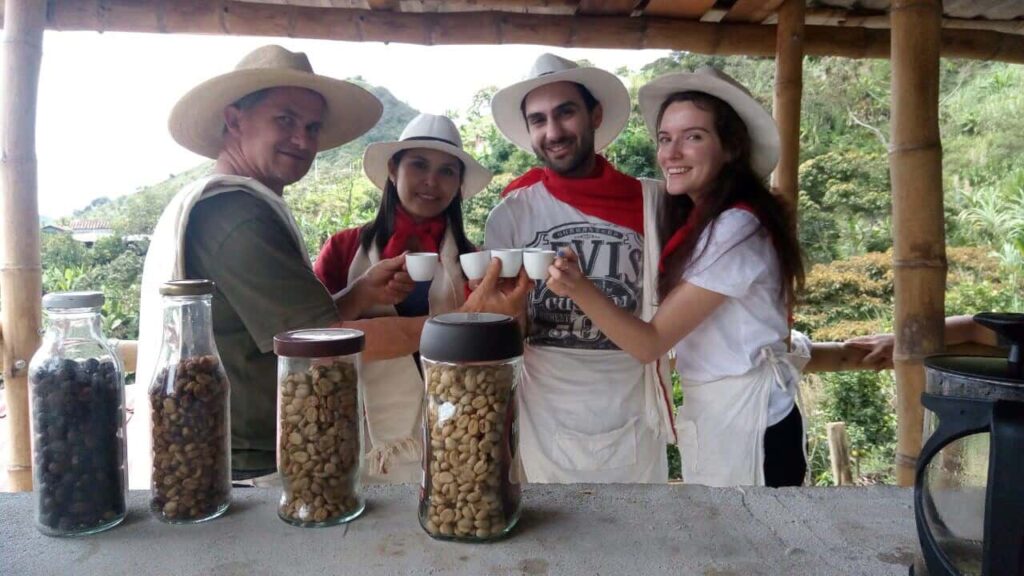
(472, 365)
(76, 397)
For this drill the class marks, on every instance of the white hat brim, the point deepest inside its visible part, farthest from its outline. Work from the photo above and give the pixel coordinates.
(197, 120)
(375, 163)
(764, 135)
(506, 106)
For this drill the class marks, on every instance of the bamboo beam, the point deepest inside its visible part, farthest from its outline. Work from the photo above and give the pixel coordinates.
(752, 10)
(693, 9)
(228, 17)
(841, 17)
(606, 7)
(20, 273)
(919, 245)
(789, 85)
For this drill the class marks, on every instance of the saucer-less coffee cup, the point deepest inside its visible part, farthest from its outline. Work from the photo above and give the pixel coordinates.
(536, 262)
(474, 264)
(511, 261)
(421, 265)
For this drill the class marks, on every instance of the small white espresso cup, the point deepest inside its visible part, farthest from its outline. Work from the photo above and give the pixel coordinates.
(421, 265)
(537, 261)
(511, 261)
(474, 264)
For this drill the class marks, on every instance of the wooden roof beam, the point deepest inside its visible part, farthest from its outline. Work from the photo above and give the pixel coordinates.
(245, 18)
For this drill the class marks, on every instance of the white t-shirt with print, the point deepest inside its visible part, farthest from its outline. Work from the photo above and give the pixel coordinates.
(735, 257)
(582, 398)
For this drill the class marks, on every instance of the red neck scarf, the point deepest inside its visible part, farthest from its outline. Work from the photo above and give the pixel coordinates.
(606, 193)
(684, 231)
(414, 236)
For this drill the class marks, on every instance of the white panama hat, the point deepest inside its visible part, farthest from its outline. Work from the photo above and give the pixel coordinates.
(764, 135)
(197, 120)
(435, 133)
(506, 106)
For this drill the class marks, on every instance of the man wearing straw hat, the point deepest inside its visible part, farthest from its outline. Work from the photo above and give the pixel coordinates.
(263, 124)
(589, 411)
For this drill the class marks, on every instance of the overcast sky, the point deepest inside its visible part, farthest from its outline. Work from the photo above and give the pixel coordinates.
(104, 98)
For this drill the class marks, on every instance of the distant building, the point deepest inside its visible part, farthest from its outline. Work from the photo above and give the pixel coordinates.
(54, 229)
(89, 231)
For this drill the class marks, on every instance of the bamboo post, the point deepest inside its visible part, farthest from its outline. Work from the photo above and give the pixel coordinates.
(839, 453)
(919, 250)
(20, 274)
(789, 84)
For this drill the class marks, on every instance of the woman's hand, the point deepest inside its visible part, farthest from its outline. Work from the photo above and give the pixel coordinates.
(385, 283)
(879, 347)
(566, 278)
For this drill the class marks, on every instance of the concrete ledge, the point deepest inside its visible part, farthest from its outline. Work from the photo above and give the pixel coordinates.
(565, 530)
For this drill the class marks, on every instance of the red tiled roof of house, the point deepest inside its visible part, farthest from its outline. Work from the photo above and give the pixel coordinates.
(89, 224)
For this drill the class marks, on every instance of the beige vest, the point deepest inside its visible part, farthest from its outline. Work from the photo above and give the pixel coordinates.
(393, 389)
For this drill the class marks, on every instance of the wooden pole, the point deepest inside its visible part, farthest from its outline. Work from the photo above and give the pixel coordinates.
(20, 274)
(919, 247)
(839, 453)
(789, 84)
(229, 17)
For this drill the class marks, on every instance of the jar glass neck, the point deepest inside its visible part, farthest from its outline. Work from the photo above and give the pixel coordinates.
(188, 325)
(76, 323)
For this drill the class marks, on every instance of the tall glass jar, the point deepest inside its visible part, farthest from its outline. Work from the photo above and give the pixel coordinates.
(472, 365)
(189, 401)
(76, 396)
(319, 426)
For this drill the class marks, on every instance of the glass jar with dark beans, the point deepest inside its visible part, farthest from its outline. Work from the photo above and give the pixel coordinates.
(78, 421)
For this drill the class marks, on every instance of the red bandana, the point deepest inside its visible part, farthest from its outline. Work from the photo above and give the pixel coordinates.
(607, 193)
(414, 236)
(684, 231)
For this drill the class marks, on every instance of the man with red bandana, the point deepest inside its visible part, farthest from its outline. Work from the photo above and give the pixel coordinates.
(589, 412)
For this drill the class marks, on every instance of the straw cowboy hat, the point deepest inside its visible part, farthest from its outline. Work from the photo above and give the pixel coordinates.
(764, 135)
(197, 120)
(426, 131)
(548, 69)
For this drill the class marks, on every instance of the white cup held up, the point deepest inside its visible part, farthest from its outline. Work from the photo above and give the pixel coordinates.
(536, 262)
(421, 265)
(511, 261)
(474, 264)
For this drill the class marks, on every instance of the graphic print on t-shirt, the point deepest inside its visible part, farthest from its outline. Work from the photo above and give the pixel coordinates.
(611, 256)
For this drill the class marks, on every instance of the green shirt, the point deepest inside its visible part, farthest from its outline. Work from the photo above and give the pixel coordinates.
(263, 287)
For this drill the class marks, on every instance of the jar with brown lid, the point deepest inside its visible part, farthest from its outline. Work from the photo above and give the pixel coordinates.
(319, 426)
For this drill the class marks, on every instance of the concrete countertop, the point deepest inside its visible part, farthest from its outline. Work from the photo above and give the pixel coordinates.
(564, 530)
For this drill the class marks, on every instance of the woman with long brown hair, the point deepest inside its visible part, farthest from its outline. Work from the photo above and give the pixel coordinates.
(727, 278)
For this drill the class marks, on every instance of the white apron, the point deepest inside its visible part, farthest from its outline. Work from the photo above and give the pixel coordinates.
(721, 424)
(393, 389)
(632, 453)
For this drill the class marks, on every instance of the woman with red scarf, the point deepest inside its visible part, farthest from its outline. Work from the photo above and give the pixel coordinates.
(726, 282)
(425, 176)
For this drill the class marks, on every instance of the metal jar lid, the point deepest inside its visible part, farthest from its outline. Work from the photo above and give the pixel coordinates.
(979, 376)
(72, 300)
(186, 288)
(471, 337)
(319, 342)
